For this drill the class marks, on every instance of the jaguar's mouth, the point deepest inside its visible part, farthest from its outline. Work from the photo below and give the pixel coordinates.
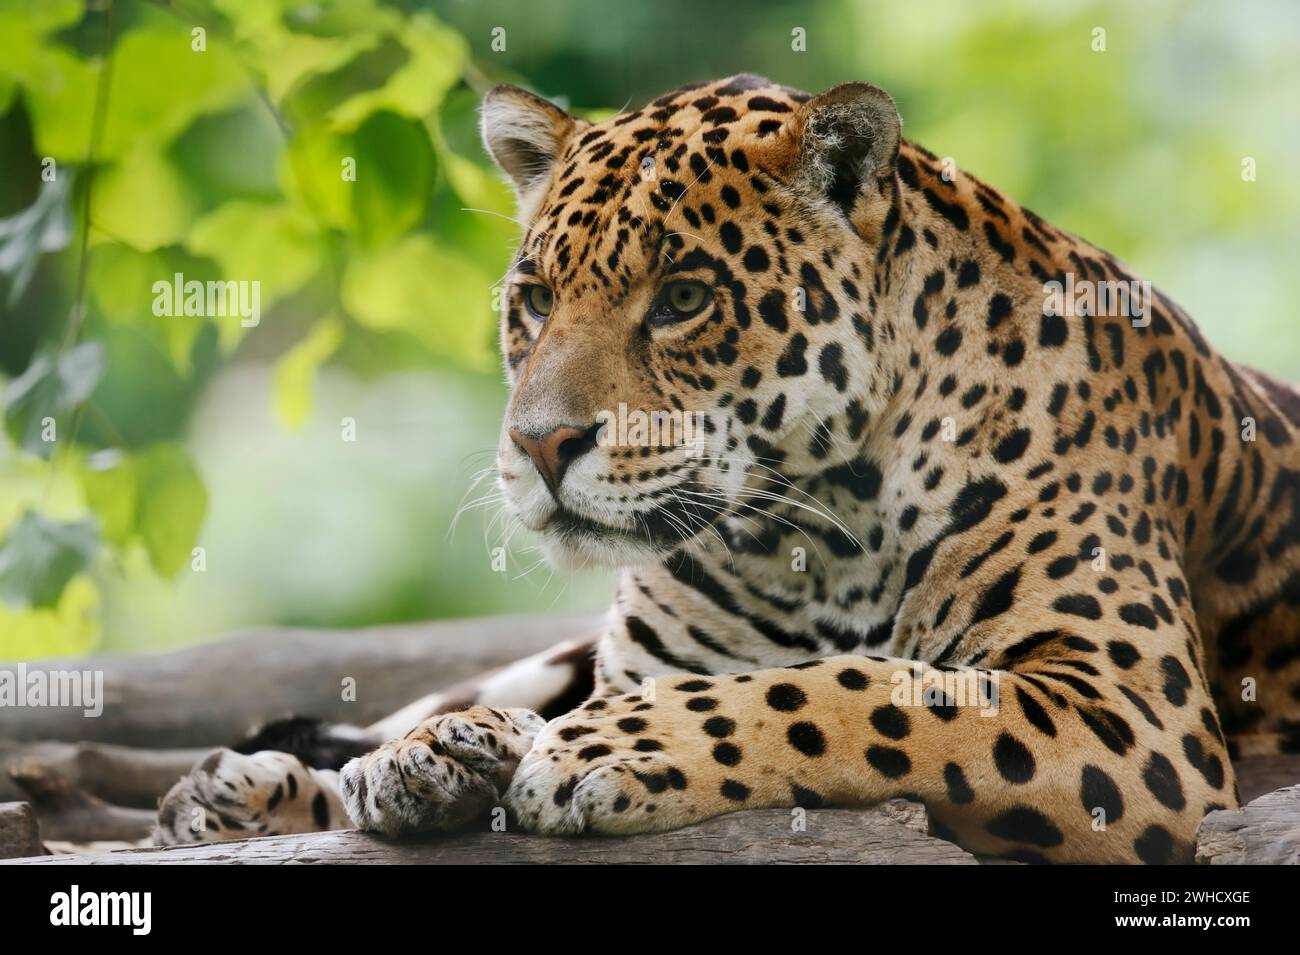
(653, 533)
(564, 523)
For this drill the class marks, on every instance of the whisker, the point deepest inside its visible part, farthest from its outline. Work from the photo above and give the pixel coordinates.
(769, 515)
(490, 212)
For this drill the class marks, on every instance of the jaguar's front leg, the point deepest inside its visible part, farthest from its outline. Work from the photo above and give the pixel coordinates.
(1041, 767)
(697, 747)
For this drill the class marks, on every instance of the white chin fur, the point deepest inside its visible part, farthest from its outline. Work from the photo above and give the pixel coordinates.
(584, 553)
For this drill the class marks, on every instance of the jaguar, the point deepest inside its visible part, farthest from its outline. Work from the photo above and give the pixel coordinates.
(940, 534)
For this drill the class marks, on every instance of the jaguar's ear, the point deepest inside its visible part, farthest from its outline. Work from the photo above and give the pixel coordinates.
(847, 142)
(524, 134)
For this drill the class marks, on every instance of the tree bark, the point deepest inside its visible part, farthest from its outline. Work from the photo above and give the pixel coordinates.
(215, 693)
(1264, 832)
(122, 775)
(20, 836)
(893, 833)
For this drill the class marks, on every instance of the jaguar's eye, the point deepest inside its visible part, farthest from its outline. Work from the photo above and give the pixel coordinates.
(540, 300)
(681, 300)
(687, 298)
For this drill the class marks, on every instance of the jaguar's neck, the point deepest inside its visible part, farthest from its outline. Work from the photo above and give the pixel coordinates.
(971, 374)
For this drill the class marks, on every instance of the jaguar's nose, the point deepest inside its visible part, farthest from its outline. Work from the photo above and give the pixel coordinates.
(554, 451)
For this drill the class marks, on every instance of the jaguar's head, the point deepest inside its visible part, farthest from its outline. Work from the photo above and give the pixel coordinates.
(691, 304)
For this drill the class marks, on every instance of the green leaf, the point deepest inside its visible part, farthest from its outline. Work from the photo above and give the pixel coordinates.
(109, 483)
(311, 172)
(295, 375)
(291, 58)
(69, 628)
(51, 386)
(395, 167)
(39, 557)
(156, 496)
(252, 17)
(322, 18)
(143, 180)
(437, 58)
(121, 284)
(171, 503)
(340, 18)
(24, 50)
(276, 245)
(160, 84)
(479, 188)
(44, 17)
(59, 89)
(287, 58)
(374, 183)
(427, 290)
(44, 226)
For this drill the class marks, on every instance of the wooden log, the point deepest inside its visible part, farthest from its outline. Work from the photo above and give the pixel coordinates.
(1264, 832)
(214, 693)
(893, 833)
(19, 833)
(68, 813)
(122, 775)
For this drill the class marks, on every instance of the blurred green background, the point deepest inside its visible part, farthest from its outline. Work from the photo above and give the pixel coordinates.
(316, 460)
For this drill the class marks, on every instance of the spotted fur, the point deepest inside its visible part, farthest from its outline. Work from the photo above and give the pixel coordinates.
(913, 473)
(230, 795)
